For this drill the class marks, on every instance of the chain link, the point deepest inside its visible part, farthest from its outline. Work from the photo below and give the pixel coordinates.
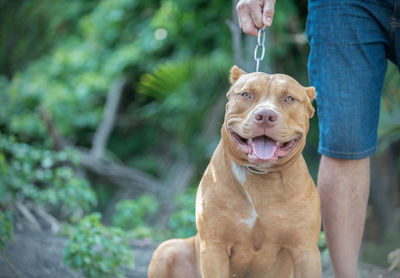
(260, 46)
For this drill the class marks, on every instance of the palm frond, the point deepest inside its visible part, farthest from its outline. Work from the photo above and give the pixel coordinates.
(170, 76)
(167, 78)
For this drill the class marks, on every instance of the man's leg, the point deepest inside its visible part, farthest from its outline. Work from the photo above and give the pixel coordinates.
(344, 190)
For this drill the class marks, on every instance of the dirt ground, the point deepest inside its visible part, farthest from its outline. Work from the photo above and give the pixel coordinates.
(39, 254)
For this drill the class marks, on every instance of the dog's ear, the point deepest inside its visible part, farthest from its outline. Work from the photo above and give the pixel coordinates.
(311, 96)
(310, 93)
(236, 72)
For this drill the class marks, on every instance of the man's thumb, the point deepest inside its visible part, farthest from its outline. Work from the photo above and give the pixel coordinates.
(268, 12)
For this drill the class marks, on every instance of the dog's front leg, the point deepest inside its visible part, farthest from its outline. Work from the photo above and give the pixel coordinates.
(214, 261)
(307, 263)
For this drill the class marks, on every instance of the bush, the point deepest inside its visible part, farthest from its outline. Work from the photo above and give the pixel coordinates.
(43, 177)
(96, 250)
(132, 215)
(183, 222)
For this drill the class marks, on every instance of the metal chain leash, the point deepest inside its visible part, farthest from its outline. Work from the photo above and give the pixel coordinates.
(260, 46)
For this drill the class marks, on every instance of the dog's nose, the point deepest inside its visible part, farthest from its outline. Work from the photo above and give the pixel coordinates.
(265, 117)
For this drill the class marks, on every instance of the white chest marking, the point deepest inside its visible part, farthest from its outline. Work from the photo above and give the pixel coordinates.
(199, 207)
(239, 172)
(253, 214)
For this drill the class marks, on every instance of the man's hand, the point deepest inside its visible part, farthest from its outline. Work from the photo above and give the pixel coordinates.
(253, 14)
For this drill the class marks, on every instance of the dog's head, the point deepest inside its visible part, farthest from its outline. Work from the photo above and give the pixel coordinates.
(266, 119)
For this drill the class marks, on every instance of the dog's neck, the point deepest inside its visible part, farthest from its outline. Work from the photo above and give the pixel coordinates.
(256, 171)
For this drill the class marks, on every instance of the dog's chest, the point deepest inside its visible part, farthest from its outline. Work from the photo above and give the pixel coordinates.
(259, 233)
(254, 253)
(255, 246)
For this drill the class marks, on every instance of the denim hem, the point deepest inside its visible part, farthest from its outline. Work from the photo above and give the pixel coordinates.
(348, 155)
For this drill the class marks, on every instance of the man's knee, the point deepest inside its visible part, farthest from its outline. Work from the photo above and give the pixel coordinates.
(338, 177)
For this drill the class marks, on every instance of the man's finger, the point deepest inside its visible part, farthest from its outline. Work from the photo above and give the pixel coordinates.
(248, 26)
(268, 12)
(256, 12)
(245, 20)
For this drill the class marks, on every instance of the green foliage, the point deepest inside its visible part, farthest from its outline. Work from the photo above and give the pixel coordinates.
(44, 177)
(183, 90)
(323, 247)
(114, 37)
(73, 77)
(169, 76)
(108, 39)
(322, 241)
(183, 222)
(6, 229)
(29, 28)
(96, 250)
(131, 215)
(68, 77)
(389, 125)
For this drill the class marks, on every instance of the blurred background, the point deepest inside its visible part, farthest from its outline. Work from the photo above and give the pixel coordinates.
(110, 111)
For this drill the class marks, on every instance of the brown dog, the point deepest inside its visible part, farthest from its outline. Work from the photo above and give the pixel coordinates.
(257, 208)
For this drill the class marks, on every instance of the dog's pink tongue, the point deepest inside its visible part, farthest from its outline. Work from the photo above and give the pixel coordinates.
(264, 147)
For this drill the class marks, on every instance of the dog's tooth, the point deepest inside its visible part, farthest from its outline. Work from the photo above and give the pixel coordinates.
(250, 140)
(277, 143)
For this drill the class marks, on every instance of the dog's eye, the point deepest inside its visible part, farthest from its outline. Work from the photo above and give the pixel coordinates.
(246, 95)
(289, 99)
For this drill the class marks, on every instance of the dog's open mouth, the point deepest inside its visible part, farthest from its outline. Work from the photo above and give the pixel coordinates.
(263, 148)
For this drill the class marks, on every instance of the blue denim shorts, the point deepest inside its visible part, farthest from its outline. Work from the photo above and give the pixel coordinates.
(350, 42)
